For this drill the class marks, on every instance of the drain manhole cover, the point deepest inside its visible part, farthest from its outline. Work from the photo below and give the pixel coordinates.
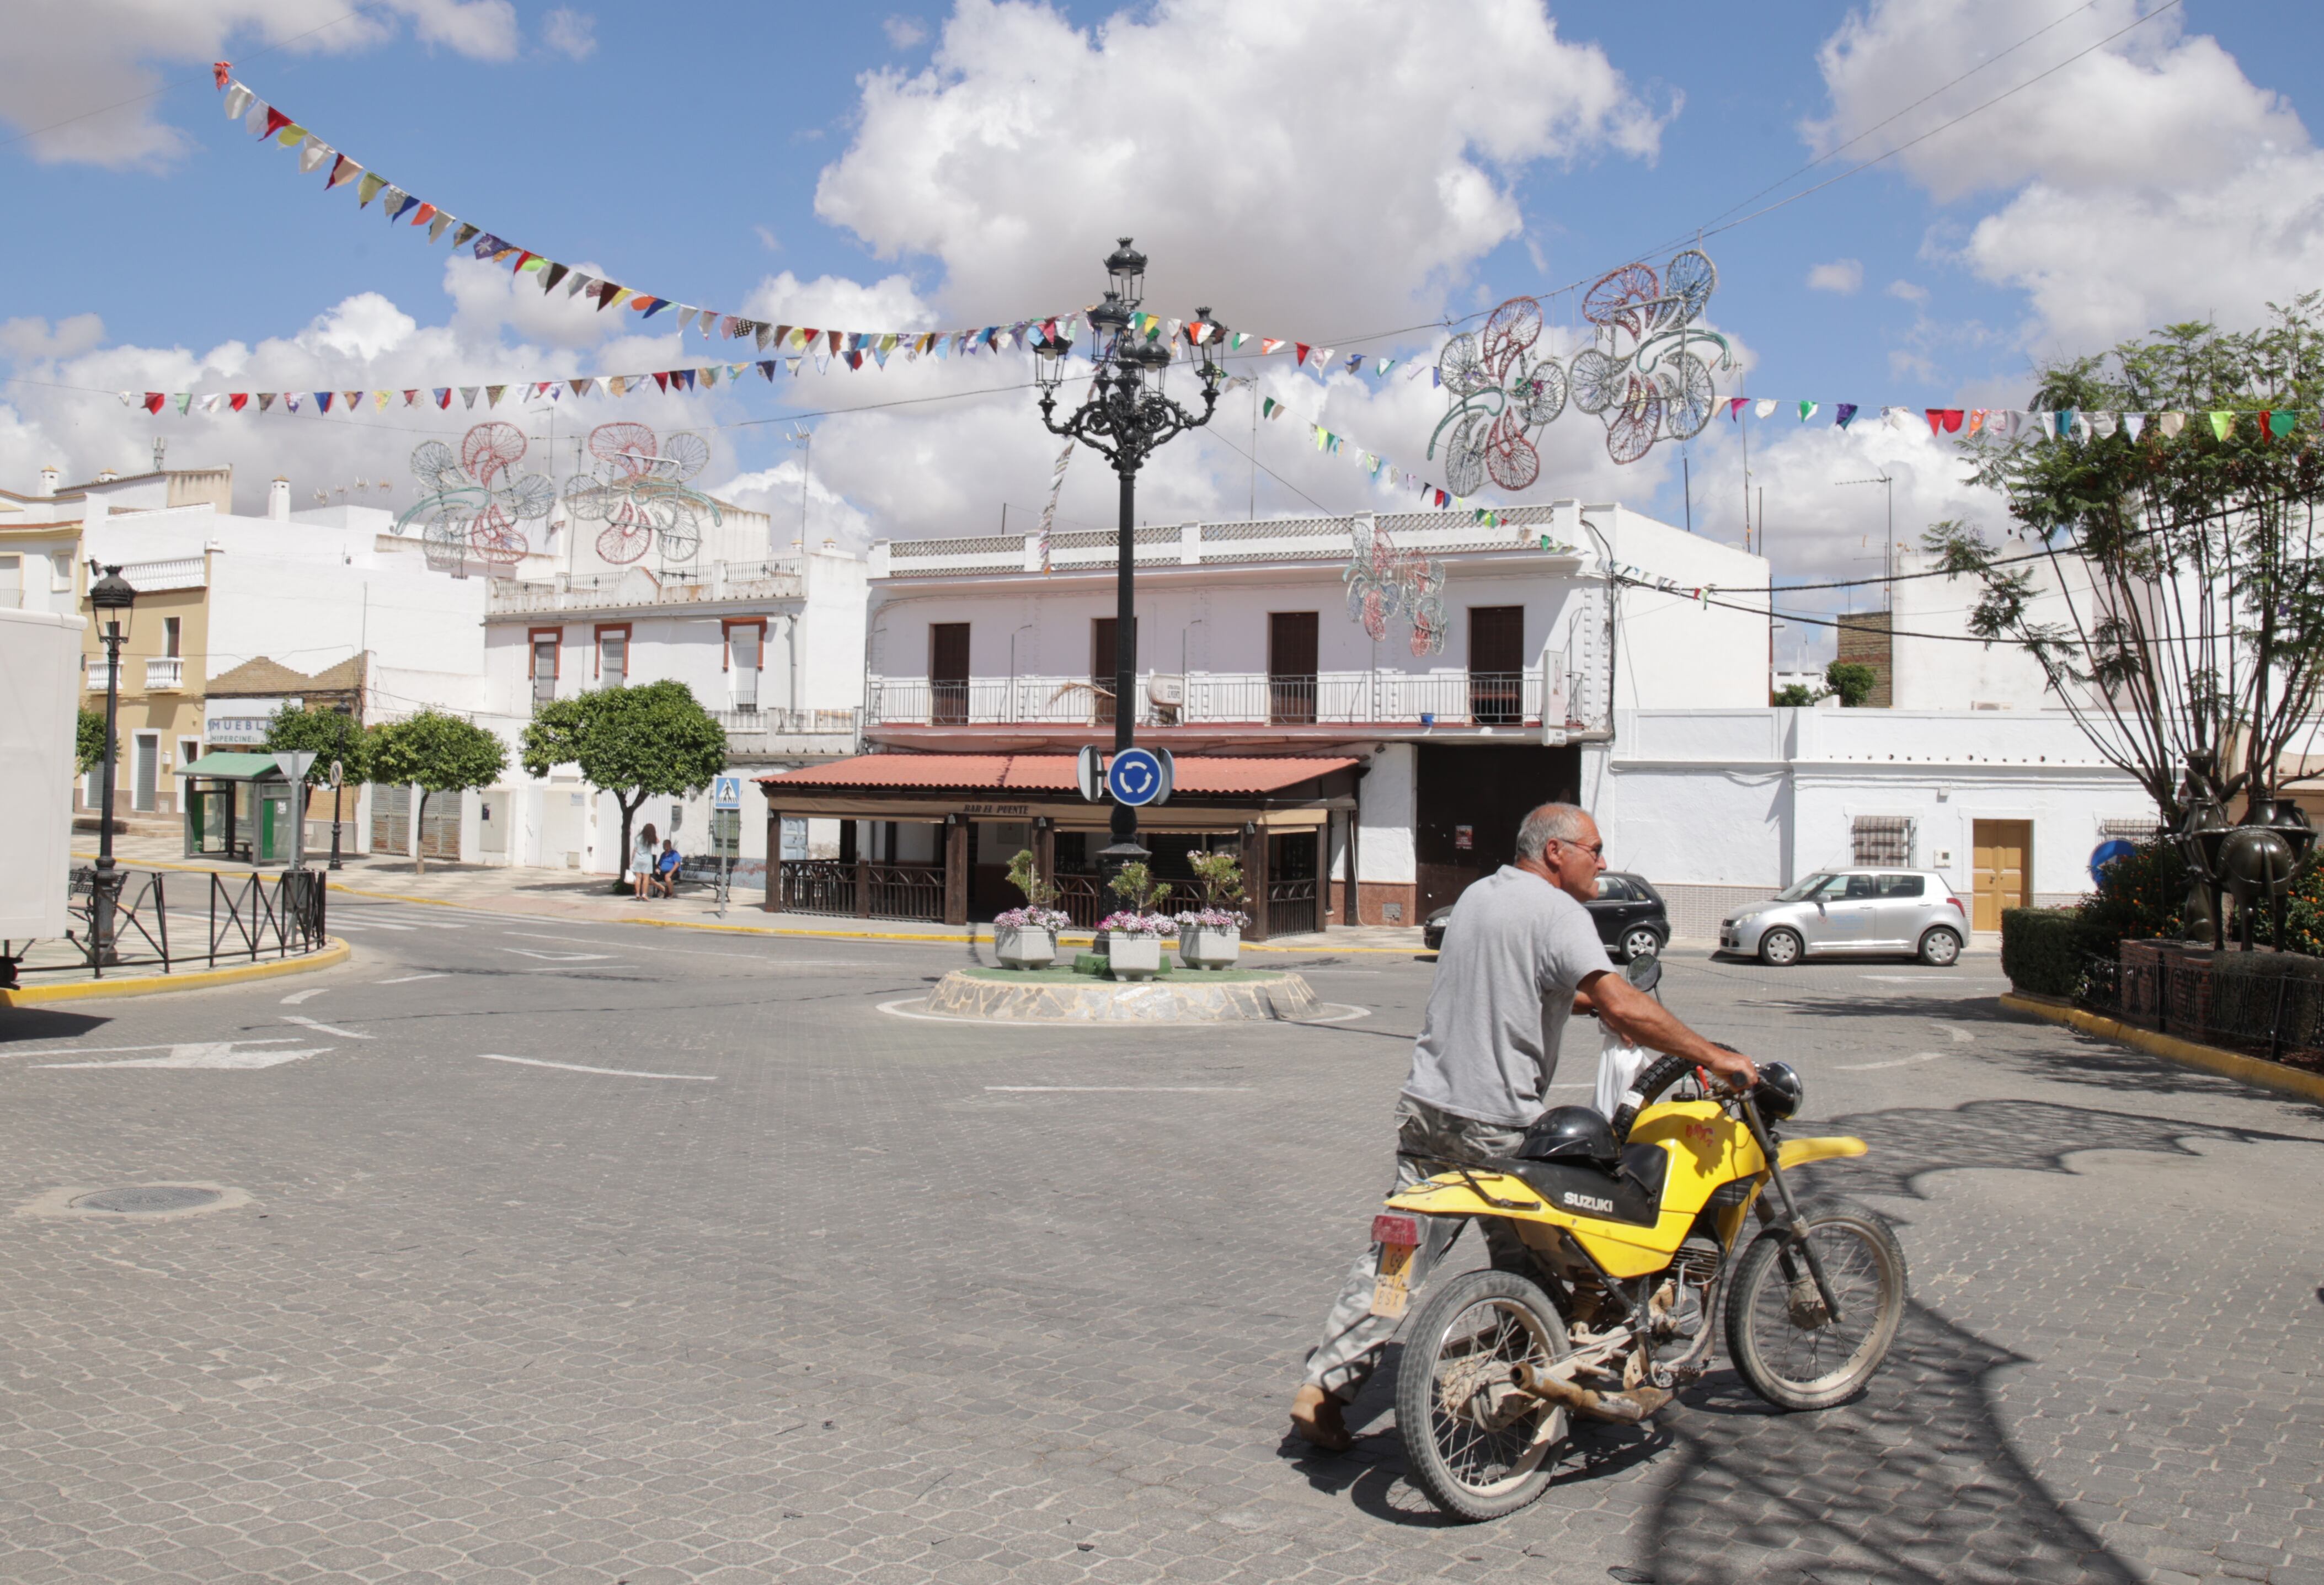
(149, 1198)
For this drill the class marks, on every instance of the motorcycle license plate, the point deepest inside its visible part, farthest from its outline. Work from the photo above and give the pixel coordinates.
(1399, 1238)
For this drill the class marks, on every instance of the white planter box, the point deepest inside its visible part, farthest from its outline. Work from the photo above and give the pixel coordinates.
(1134, 957)
(1024, 948)
(1200, 948)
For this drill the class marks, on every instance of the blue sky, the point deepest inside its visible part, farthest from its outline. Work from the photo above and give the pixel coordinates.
(682, 150)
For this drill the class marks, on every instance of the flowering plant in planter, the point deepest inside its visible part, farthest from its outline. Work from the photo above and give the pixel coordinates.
(1210, 919)
(1130, 922)
(1027, 937)
(1033, 918)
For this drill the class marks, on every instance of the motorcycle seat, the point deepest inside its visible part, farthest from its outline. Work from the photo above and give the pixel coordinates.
(1630, 1192)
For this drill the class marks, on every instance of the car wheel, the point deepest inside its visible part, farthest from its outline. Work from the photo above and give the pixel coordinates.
(1940, 948)
(1780, 948)
(1640, 942)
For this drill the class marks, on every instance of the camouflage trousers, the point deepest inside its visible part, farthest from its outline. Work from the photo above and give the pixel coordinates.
(1350, 1349)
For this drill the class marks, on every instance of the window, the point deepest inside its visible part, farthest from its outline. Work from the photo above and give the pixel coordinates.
(613, 656)
(11, 582)
(744, 642)
(60, 566)
(172, 633)
(2132, 828)
(948, 673)
(1899, 885)
(189, 749)
(544, 641)
(1883, 839)
(1613, 889)
(1291, 667)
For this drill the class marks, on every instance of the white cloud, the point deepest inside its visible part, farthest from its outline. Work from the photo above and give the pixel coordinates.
(571, 34)
(905, 31)
(1906, 291)
(32, 338)
(1379, 136)
(1841, 275)
(2148, 182)
(109, 56)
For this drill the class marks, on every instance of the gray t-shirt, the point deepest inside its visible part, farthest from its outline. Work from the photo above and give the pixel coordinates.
(1516, 949)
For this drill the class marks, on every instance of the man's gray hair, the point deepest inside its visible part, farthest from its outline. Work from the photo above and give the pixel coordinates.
(1551, 822)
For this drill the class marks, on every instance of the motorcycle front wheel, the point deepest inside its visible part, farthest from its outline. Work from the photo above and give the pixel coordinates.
(1791, 1352)
(1478, 1446)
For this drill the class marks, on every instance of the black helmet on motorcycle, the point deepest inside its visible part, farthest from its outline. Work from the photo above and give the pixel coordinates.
(1570, 1133)
(1781, 1091)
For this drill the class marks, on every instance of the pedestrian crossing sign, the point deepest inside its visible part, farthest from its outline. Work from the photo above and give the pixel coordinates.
(726, 793)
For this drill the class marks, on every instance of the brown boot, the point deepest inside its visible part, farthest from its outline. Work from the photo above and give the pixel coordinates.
(1315, 1419)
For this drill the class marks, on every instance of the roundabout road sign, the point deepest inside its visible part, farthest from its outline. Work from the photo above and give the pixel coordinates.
(1137, 777)
(2109, 852)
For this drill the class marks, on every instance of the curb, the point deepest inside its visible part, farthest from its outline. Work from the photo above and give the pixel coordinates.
(330, 957)
(2253, 1071)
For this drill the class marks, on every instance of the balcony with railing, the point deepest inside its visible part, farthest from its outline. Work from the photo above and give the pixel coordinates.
(776, 731)
(1383, 699)
(720, 583)
(98, 671)
(165, 674)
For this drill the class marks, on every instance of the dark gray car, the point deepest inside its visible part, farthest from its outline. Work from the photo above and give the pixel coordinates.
(1631, 917)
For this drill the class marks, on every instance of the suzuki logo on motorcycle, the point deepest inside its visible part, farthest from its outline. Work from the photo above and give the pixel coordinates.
(1588, 1202)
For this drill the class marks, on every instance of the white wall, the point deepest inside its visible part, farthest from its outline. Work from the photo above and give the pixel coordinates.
(1944, 673)
(1384, 817)
(40, 691)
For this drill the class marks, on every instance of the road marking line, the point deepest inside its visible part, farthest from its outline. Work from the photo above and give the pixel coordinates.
(534, 1061)
(343, 923)
(1901, 1061)
(296, 997)
(209, 1054)
(1959, 1034)
(1116, 1089)
(560, 957)
(324, 1028)
(408, 979)
(110, 1050)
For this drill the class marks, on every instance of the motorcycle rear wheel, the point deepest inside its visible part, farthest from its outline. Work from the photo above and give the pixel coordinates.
(1773, 1334)
(1478, 1448)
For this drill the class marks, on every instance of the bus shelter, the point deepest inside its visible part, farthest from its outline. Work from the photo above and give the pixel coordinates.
(238, 806)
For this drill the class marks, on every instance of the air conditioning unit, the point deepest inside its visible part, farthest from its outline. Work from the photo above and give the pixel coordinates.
(1170, 689)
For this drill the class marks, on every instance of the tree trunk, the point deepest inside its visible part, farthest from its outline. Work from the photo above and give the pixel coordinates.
(419, 842)
(629, 813)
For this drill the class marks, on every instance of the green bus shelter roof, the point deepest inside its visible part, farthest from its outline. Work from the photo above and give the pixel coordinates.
(234, 767)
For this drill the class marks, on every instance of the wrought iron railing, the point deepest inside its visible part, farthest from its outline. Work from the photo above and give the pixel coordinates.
(2268, 1003)
(159, 920)
(1291, 908)
(861, 891)
(1084, 900)
(1422, 699)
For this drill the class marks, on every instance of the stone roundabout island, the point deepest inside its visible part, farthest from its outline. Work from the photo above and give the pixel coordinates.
(1065, 996)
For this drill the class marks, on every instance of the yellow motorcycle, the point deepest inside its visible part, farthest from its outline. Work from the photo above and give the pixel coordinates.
(1633, 1234)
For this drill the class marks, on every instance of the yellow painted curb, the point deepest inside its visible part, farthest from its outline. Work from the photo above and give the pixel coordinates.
(330, 957)
(2232, 1064)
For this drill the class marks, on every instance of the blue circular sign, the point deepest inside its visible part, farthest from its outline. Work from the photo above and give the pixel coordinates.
(1134, 778)
(2111, 851)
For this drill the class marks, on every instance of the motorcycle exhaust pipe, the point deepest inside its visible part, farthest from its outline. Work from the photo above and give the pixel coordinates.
(1622, 1408)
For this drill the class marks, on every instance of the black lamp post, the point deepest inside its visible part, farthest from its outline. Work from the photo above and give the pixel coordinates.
(1124, 417)
(110, 597)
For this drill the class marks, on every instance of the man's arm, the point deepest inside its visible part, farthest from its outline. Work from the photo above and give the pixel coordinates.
(1642, 1020)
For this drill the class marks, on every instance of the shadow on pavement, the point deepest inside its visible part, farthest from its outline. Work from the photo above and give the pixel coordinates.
(44, 1023)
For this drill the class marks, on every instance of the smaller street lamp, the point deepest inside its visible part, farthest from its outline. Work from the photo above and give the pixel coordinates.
(338, 774)
(112, 599)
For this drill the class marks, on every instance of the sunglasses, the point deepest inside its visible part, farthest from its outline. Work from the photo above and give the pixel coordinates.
(1596, 850)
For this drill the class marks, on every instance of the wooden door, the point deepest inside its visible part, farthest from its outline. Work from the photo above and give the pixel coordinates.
(947, 673)
(1291, 667)
(2004, 877)
(1105, 637)
(1496, 663)
(1467, 801)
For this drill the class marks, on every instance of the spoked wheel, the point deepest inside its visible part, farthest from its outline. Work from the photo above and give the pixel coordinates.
(1778, 1334)
(1476, 1445)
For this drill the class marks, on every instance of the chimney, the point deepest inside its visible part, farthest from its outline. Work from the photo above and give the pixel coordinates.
(107, 475)
(47, 481)
(278, 500)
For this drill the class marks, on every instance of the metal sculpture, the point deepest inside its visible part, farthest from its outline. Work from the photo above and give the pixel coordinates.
(1385, 583)
(639, 491)
(2256, 860)
(471, 503)
(1644, 377)
(1502, 396)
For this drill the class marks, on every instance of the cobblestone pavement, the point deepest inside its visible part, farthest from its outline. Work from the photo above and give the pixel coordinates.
(810, 1290)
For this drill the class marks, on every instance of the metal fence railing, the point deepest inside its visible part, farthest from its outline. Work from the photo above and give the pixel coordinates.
(2268, 1003)
(861, 890)
(165, 921)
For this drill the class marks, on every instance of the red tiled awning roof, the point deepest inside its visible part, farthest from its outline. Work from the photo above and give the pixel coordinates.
(1045, 772)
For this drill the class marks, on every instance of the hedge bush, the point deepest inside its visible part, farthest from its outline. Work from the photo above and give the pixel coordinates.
(2045, 950)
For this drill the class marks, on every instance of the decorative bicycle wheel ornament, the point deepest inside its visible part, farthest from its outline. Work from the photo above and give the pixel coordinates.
(1650, 375)
(638, 489)
(473, 504)
(1501, 396)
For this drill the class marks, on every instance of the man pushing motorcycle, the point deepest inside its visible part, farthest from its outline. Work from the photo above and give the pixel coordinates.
(1521, 955)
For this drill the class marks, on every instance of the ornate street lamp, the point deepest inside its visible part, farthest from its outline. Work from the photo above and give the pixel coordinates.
(1123, 419)
(112, 598)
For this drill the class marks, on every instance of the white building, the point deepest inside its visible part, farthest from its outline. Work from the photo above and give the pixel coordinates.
(1366, 781)
(1720, 808)
(772, 645)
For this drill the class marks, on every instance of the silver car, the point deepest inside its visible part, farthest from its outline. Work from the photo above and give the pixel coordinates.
(1868, 910)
